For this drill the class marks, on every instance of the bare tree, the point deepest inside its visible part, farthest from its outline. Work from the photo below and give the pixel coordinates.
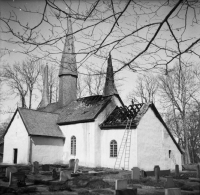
(16, 82)
(21, 78)
(176, 92)
(145, 90)
(136, 31)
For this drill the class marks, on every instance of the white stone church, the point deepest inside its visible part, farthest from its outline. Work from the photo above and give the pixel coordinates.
(90, 129)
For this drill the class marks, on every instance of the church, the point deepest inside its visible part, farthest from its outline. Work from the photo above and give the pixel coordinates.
(98, 130)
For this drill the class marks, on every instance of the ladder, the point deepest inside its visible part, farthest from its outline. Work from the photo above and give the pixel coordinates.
(125, 144)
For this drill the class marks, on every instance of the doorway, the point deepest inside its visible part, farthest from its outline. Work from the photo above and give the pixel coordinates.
(15, 156)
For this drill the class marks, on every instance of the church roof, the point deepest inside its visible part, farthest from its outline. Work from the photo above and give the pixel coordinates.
(83, 110)
(40, 123)
(120, 115)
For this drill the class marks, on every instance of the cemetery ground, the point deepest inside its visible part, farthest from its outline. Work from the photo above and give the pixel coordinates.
(93, 181)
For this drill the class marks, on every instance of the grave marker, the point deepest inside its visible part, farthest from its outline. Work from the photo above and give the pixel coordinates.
(198, 171)
(64, 176)
(176, 170)
(76, 165)
(169, 182)
(17, 179)
(71, 163)
(35, 167)
(135, 173)
(120, 184)
(55, 174)
(173, 191)
(157, 172)
(10, 170)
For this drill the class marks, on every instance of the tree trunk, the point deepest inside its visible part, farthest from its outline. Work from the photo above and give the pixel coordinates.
(30, 99)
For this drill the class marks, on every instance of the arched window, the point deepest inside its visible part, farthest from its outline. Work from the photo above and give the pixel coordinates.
(73, 145)
(113, 148)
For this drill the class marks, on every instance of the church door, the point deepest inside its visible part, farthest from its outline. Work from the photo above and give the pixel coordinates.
(15, 156)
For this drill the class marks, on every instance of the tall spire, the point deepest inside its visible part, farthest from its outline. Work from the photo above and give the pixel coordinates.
(68, 70)
(45, 93)
(109, 88)
(68, 61)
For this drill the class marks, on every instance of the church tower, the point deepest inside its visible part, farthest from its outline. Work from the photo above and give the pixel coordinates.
(68, 70)
(45, 93)
(110, 88)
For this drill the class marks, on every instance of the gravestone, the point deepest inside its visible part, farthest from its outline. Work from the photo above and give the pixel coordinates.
(173, 191)
(120, 184)
(45, 167)
(170, 182)
(10, 170)
(126, 192)
(135, 173)
(64, 176)
(157, 172)
(17, 179)
(176, 170)
(55, 174)
(71, 163)
(35, 167)
(76, 166)
(198, 171)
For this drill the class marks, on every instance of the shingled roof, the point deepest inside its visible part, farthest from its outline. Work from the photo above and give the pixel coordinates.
(40, 123)
(83, 110)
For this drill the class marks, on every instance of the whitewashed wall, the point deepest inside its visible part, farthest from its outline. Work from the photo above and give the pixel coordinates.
(85, 143)
(154, 144)
(16, 137)
(117, 135)
(47, 150)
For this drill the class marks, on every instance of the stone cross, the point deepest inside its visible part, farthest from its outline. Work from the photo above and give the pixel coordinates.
(35, 167)
(10, 170)
(157, 172)
(135, 174)
(76, 166)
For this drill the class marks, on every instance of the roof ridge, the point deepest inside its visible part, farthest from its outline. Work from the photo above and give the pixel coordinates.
(38, 110)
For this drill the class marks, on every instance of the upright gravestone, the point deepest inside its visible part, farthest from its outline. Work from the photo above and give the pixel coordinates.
(120, 184)
(169, 183)
(17, 179)
(55, 174)
(10, 170)
(76, 166)
(176, 170)
(157, 173)
(135, 174)
(198, 171)
(71, 163)
(35, 167)
(64, 176)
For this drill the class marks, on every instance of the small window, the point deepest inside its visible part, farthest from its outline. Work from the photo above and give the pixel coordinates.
(169, 153)
(73, 145)
(113, 148)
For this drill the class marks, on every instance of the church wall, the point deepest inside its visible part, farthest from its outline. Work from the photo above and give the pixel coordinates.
(16, 138)
(85, 143)
(117, 134)
(154, 144)
(47, 150)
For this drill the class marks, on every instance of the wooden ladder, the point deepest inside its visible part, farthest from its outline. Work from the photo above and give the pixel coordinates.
(125, 144)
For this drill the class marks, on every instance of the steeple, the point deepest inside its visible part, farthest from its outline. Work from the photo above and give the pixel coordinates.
(109, 88)
(45, 93)
(68, 70)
